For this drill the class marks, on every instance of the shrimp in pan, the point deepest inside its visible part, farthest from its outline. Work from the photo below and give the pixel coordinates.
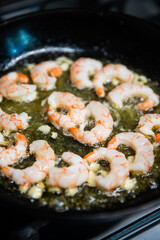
(119, 167)
(72, 176)
(72, 110)
(103, 125)
(128, 90)
(14, 153)
(14, 86)
(13, 122)
(144, 157)
(81, 70)
(45, 160)
(107, 73)
(147, 122)
(45, 74)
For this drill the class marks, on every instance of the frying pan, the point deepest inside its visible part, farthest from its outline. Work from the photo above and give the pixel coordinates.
(121, 38)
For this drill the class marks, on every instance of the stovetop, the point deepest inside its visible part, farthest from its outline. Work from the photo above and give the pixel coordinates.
(141, 225)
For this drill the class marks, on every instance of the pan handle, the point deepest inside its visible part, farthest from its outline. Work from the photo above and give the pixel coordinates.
(136, 227)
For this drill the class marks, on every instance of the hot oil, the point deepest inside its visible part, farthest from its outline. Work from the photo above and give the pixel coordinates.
(86, 197)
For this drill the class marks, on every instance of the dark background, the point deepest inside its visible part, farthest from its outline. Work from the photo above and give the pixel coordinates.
(147, 9)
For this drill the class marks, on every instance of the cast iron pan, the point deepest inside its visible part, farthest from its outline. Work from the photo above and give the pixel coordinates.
(121, 38)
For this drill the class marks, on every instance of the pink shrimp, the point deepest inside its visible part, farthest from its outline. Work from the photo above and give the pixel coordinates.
(72, 176)
(65, 101)
(107, 73)
(144, 157)
(17, 92)
(45, 74)
(14, 153)
(45, 160)
(147, 122)
(80, 71)
(103, 125)
(119, 167)
(128, 90)
(13, 122)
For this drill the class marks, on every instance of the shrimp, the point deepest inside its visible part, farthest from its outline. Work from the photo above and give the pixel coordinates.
(12, 154)
(1, 139)
(13, 122)
(81, 70)
(70, 104)
(103, 125)
(13, 86)
(107, 73)
(72, 176)
(128, 90)
(45, 74)
(45, 160)
(147, 122)
(119, 167)
(144, 157)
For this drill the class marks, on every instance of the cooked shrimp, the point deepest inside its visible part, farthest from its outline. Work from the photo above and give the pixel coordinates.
(13, 122)
(45, 74)
(119, 167)
(69, 104)
(81, 70)
(128, 90)
(107, 73)
(1, 139)
(45, 160)
(14, 153)
(72, 176)
(147, 122)
(10, 89)
(144, 157)
(103, 125)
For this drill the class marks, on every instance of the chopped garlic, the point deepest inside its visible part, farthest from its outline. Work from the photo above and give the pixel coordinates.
(44, 128)
(92, 179)
(30, 65)
(64, 62)
(54, 189)
(64, 66)
(139, 79)
(35, 192)
(94, 166)
(44, 101)
(71, 191)
(131, 159)
(54, 135)
(40, 185)
(23, 188)
(6, 132)
(103, 173)
(129, 184)
(115, 81)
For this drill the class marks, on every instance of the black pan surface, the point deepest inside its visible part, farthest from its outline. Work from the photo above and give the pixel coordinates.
(122, 38)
